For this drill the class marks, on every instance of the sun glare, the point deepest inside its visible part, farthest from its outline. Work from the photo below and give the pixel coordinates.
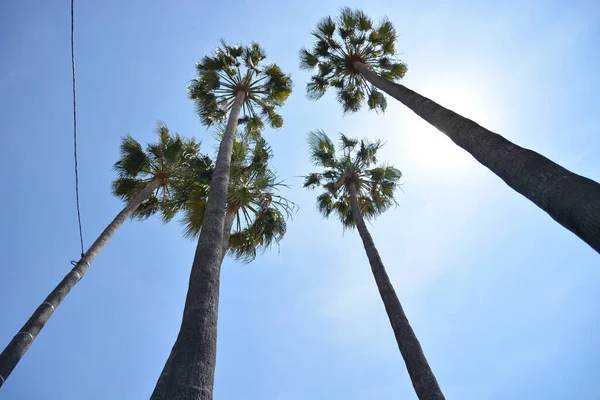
(432, 149)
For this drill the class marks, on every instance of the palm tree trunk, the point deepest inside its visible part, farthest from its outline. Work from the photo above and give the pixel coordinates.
(229, 217)
(570, 199)
(16, 349)
(192, 371)
(160, 389)
(421, 375)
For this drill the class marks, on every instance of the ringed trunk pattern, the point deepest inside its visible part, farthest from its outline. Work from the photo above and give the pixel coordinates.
(421, 375)
(570, 199)
(193, 356)
(17, 347)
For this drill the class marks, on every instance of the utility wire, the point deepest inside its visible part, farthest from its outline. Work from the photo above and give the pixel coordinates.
(75, 126)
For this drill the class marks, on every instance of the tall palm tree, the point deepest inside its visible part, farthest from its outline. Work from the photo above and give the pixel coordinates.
(233, 82)
(143, 183)
(359, 60)
(254, 208)
(355, 189)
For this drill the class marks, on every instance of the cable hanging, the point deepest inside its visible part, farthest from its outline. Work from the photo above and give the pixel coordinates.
(75, 127)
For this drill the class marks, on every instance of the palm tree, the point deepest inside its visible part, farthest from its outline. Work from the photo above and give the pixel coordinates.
(143, 183)
(232, 82)
(355, 189)
(253, 203)
(254, 207)
(359, 60)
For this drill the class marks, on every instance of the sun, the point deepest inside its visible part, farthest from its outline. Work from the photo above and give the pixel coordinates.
(432, 150)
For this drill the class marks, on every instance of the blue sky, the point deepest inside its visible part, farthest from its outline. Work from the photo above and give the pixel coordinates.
(504, 300)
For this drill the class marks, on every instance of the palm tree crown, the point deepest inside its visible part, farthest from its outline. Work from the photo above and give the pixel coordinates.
(167, 161)
(260, 212)
(231, 69)
(354, 169)
(351, 37)
(266, 229)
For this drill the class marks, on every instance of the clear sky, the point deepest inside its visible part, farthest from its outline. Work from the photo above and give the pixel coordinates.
(505, 302)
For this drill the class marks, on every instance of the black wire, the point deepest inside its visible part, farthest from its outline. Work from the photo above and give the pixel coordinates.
(75, 128)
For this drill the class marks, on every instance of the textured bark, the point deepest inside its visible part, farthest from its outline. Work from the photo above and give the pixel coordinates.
(193, 357)
(15, 350)
(570, 199)
(420, 372)
(160, 389)
(229, 217)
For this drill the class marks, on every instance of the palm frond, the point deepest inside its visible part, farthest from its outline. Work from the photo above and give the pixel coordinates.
(377, 101)
(367, 152)
(322, 149)
(312, 180)
(278, 84)
(348, 17)
(126, 188)
(252, 124)
(307, 59)
(351, 98)
(325, 204)
(267, 229)
(326, 27)
(364, 23)
(147, 209)
(133, 160)
(193, 218)
(347, 143)
(316, 88)
(253, 55)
